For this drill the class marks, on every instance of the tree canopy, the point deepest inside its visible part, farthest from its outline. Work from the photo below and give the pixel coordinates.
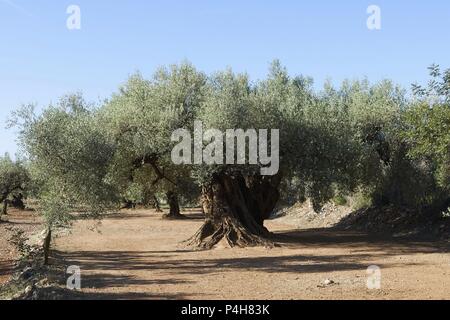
(360, 137)
(14, 179)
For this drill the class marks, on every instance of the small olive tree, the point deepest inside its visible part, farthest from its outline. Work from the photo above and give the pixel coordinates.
(70, 158)
(14, 179)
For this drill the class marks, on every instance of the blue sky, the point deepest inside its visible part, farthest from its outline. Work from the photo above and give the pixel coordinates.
(41, 60)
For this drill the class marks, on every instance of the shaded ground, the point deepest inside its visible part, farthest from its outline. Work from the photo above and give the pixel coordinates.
(26, 221)
(137, 255)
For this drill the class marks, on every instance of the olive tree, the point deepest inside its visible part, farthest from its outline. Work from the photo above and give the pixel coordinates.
(139, 121)
(14, 179)
(239, 198)
(370, 116)
(427, 133)
(337, 140)
(428, 123)
(70, 159)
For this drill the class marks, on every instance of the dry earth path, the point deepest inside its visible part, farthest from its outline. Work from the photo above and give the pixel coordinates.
(137, 255)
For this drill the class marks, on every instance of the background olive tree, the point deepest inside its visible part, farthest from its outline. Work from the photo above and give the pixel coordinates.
(427, 132)
(139, 121)
(14, 181)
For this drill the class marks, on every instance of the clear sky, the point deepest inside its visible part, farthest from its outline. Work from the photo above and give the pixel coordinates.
(41, 60)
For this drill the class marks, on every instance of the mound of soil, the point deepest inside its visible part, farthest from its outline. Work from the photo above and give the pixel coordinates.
(397, 221)
(303, 216)
(386, 220)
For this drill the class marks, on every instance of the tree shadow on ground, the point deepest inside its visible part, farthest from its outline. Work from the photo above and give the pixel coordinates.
(355, 241)
(130, 262)
(107, 284)
(20, 223)
(115, 269)
(360, 247)
(7, 267)
(58, 293)
(140, 213)
(142, 271)
(104, 280)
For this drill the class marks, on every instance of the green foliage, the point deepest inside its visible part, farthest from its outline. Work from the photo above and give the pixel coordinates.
(428, 134)
(361, 137)
(438, 89)
(14, 178)
(361, 200)
(364, 119)
(427, 131)
(19, 240)
(140, 120)
(340, 200)
(446, 214)
(70, 158)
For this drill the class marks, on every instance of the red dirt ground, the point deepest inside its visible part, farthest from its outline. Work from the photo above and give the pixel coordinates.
(137, 255)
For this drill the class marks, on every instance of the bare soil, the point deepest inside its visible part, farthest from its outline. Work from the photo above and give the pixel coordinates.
(138, 255)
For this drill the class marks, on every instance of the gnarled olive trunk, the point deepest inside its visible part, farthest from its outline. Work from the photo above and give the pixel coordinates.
(128, 204)
(235, 209)
(17, 202)
(46, 246)
(174, 206)
(156, 204)
(5, 207)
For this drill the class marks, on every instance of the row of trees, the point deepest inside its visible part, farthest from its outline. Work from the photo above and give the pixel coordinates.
(360, 137)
